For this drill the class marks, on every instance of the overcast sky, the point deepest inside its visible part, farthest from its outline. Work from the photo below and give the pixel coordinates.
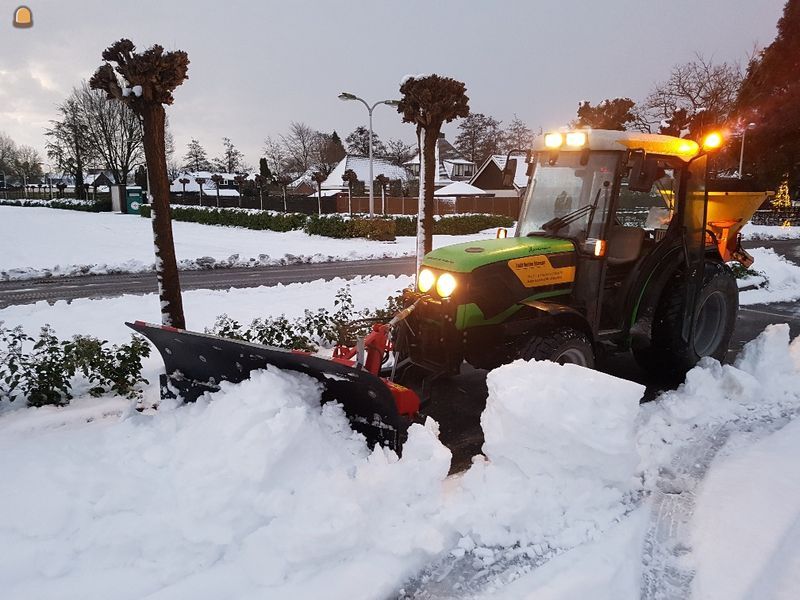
(256, 66)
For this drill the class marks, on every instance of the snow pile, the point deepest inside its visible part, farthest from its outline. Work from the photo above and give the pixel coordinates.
(560, 456)
(762, 385)
(782, 279)
(255, 491)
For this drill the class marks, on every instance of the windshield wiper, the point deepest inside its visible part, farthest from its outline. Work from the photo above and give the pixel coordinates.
(558, 223)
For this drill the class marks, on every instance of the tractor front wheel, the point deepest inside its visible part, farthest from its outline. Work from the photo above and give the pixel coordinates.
(563, 346)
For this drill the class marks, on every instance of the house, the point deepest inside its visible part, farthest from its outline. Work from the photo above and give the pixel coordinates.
(489, 176)
(360, 166)
(227, 187)
(453, 166)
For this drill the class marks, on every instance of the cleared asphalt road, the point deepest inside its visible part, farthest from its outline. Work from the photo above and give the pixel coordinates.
(27, 291)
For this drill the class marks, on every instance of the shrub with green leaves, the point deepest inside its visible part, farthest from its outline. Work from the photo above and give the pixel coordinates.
(235, 218)
(321, 327)
(454, 225)
(43, 370)
(101, 205)
(337, 226)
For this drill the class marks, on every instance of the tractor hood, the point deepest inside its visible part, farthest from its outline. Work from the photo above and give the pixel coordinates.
(466, 257)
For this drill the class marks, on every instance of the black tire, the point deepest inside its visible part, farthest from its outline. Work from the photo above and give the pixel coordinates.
(561, 345)
(714, 322)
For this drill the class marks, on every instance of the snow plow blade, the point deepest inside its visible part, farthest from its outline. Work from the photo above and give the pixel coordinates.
(197, 362)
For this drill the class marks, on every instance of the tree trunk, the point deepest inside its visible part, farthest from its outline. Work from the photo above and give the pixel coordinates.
(169, 287)
(427, 178)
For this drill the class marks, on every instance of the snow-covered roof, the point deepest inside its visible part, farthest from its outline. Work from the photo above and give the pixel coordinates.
(360, 165)
(461, 188)
(520, 175)
(209, 174)
(325, 193)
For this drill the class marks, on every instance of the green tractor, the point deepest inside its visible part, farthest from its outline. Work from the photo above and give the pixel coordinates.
(622, 244)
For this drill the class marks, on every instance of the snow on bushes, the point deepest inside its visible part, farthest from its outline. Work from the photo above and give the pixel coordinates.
(560, 456)
(777, 278)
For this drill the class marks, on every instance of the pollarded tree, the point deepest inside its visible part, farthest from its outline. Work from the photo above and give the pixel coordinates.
(350, 179)
(383, 182)
(144, 82)
(430, 101)
(319, 178)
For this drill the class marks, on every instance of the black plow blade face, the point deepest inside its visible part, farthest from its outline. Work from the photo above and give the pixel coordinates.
(197, 362)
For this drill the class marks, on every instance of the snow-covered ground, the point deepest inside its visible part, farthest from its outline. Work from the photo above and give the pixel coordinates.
(778, 279)
(83, 243)
(770, 232)
(258, 492)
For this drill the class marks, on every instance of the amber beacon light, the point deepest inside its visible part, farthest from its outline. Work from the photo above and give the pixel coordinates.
(23, 17)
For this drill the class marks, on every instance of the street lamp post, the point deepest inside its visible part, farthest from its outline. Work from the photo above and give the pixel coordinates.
(348, 96)
(741, 151)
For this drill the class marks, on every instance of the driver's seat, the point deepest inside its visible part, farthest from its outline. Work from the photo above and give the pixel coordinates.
(624, 244)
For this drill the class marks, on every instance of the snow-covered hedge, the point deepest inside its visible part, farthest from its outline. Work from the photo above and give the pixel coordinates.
(102, 205)
(235, 218)
(334, 225)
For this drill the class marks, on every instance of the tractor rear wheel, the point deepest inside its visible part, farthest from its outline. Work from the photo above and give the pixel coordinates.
(714, 320)
(563, 345)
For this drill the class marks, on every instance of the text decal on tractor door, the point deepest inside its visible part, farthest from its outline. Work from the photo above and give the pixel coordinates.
(535, 271)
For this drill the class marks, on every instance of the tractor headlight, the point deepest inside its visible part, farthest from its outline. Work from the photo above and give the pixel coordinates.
(576, 139)
(446, 285)
(425, 280)
(553, 140)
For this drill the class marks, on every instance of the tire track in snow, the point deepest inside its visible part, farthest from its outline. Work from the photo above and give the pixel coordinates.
(667, 572)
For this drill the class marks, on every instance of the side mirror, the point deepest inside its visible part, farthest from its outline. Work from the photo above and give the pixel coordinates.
(509, 172)
(644, 172)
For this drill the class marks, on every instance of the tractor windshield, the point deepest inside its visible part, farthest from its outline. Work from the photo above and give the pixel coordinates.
(563, 191)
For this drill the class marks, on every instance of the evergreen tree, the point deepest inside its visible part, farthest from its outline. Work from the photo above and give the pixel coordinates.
(263, 169)
(336, 147)
(196, 158)
(770, 98)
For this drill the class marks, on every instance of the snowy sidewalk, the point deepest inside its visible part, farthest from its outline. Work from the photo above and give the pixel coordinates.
(39, 242)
